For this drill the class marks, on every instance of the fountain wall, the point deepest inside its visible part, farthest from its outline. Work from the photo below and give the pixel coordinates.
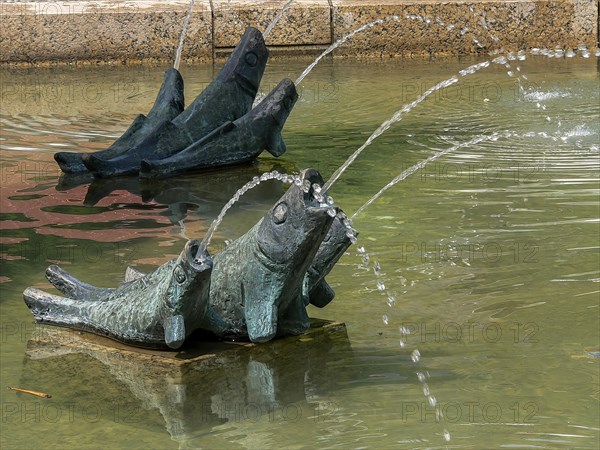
(109, 31)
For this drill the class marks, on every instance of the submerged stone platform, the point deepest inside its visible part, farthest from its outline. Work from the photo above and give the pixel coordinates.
(204, 385)
(113, 31)
(49, 341)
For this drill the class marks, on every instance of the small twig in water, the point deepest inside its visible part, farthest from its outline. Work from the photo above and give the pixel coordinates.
(27, 391)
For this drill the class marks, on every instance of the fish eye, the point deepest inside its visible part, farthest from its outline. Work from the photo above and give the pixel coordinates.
(251, 59)
(280, 213)
(179, 274)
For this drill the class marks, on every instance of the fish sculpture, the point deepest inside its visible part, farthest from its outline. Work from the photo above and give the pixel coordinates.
(316, 290)
(257, 281)
(157, 310)
(234, 142)
(228, 97)
(167, 106)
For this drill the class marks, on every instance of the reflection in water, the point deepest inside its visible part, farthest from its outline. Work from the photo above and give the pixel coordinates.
(58, 211)
(206, 385)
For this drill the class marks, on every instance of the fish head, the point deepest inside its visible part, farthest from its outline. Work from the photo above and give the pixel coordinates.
(186, 299)
(290, 233)
(315, 290)
(278, 104)
(272, 112)
(287, 239)
(247, 62)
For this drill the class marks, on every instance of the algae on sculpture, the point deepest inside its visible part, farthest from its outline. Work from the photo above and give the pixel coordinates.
(256, 288)
(156, 310)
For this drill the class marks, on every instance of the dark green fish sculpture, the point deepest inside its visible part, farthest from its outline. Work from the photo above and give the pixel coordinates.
(157, 310)
(257, 281)
(228, 97)
(167, 106)
(234, 142)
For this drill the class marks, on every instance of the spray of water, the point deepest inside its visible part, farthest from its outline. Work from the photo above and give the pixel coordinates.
(276, 19)
(476, 140)
(398, 116)
(274, 175)
(339, 42)
(186, 21)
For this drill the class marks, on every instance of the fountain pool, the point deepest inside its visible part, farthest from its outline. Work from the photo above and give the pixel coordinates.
(491, 252)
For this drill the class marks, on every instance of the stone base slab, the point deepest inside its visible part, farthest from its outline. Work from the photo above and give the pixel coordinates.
(112, 31)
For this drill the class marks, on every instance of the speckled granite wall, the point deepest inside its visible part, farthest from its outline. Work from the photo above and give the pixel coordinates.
(102, 31)
(134, 30)
(427, 26)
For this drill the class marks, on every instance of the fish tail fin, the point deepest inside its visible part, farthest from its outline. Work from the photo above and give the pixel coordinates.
(275, 145)
(53, 308)
(70, 162)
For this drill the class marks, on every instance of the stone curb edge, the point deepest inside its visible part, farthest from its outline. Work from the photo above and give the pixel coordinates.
(109, 31)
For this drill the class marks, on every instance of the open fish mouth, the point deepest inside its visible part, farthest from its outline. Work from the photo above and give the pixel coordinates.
(196, 256)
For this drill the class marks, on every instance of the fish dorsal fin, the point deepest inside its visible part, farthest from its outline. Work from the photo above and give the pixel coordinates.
(275, 145)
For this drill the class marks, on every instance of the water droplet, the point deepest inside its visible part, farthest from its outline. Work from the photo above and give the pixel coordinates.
(353, 239)
(332, 212)
(415, 356)
(330, 201)
(306, 186)
(404, 331)
(510, 73)
(402, 343)
(347, 223)
(548, 119)
(318, 197)
(366, 260)
(380, 286)
(377, 268)
(432, 400)
(426, 390)
(360, 249)
(297, 181)
(421, 376)
(385, 319)
(446, 436)
(275, 174)
(391, 301)
(316, 187)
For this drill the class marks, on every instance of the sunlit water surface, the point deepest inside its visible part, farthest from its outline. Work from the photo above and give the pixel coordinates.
(492, 253)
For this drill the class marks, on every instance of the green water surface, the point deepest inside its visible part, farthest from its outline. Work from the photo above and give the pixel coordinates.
(491, 252)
